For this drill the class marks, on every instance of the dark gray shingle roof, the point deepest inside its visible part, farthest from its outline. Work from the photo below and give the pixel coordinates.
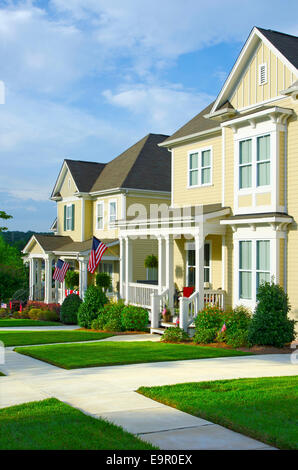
(285, 43)
(84, 173)
(195, 125)
(145, 165)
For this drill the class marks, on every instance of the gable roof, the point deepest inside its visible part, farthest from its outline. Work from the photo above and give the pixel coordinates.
(83, 173)
(285, 43)
(196, 125)
(144, 165)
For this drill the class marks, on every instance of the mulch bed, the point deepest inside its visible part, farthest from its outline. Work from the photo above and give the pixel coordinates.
(116, 333)
(254, 350)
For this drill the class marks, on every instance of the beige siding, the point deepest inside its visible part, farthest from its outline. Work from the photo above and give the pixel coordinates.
(245, 201)
(106, 232)
(36, 250)
(141, 249)
(183, 195)
(68, 187)
(180, 263)
(281, 261)
(263, 199)
(229, 168)
(88, 219)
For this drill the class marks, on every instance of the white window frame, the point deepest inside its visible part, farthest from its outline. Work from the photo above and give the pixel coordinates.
(153, 271)
(191, 246)
(100, 203)
(254, 164)
(68, 218)
(112, 201)
(200, 168)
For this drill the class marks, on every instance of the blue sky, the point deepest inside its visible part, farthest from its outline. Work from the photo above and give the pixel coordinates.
(85, 79)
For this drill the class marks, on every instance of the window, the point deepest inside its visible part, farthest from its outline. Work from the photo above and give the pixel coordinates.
(245, 164)
(107, 268)
(263, 261)
(254, 162)
(112, 211)
(152, 274)
(262, 74)
(200, 168)
(263, 160)
(99, 216)
(191, 266)
(254, 266)
(245, 270)
(69, 212)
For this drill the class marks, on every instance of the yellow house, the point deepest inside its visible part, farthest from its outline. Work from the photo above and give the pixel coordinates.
(90, 197)
(234, 170)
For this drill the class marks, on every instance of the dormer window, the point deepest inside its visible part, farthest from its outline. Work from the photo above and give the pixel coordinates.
(262, 74)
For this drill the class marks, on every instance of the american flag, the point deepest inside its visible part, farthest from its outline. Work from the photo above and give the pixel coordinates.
(60, 270)
(223, 328)
(97, 250)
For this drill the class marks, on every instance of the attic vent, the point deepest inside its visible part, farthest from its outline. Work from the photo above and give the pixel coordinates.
(262, 74)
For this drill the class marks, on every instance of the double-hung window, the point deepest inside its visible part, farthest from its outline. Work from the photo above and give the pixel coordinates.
(254, 266)
(254, 162)
(200, 168)
(69, 213)
(99, 216)
(112, 212)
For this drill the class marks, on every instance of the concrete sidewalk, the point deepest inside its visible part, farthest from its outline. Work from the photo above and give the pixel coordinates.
(39, 328)
(109, 392)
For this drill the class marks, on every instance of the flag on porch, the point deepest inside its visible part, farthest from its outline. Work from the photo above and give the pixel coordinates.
(223, 328)
(97, 250)
(60, 270)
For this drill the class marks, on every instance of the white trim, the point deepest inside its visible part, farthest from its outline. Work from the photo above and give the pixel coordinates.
(68, 218)
(68, 199)
(190, 137)
(200, 168)
(99, 203)
(83, 220)
(191, 246)
(128, 190)
(263, 73)
(223, 159)
(123, 206)
(172, 177)
(62, 174)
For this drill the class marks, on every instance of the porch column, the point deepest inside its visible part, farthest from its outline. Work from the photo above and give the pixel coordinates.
(48, 279)
(122, 268)
(32, 278)
(83, 276)
(160, 265)
(38, 278)
(199, 247)
(170, 269)
(128, 267)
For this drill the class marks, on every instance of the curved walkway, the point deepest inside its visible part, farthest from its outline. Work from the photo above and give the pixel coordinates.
(109, 392)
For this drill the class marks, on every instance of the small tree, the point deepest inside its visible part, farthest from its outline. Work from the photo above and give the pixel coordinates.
(94, 301)
(4, 216)
(104, 281)
(151, 261)
(270, 324)
(72, 279)
(69, 309)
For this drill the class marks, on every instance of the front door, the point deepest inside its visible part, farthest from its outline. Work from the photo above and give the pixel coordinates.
(191, 266)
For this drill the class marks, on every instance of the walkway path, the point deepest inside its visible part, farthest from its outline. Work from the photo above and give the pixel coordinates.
(109, 392)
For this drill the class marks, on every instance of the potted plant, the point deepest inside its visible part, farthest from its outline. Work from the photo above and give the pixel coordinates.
(104, 281)
(151, 261)
(166, 314)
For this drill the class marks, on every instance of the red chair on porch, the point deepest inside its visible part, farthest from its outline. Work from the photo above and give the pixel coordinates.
(187, 291)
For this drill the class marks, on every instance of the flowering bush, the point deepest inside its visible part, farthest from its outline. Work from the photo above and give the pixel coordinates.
(43, 306)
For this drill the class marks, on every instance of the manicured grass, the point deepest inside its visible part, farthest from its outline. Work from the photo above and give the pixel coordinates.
(12, 322)
(22, 338)
(51, 424)
(73, 356)
(263, 408)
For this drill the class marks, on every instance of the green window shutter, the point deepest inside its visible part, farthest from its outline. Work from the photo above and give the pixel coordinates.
(64, 218)
(72, 216)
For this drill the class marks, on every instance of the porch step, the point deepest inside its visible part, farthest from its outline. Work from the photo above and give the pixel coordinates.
(167, 324)
(157, 331)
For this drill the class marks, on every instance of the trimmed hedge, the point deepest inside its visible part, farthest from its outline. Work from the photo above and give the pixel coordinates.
(134, 318)
(94, 301)
(174, 335)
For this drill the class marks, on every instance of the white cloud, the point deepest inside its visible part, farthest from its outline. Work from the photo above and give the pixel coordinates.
(163, 108)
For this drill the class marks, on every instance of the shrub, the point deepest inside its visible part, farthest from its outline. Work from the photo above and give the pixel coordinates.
(98, 323)
(72, 279)
(174, 335)
(40, 314)
(94, 301)
(237, 324)
(134, 318)
(207, 324)
(69, 309)
(270, 324)
(104, 281)
(33, 313)
(43, 306)
(3, 313)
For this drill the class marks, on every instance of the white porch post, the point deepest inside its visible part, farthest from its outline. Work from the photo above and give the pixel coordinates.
(48, 279)
(160, 265)
(32, 278)
(83, 276)
(128, 267)
(199, 247)
(122, 268)
(170, 269)
(38, 277)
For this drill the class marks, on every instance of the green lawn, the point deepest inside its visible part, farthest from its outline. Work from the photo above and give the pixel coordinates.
(22, 338)
(5, 323)
(51, 424)
(73, 356)
(265, 408)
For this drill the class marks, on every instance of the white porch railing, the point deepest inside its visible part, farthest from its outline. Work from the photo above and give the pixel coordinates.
(188, 309)
(140, 294)
(215, 297)
(158, 301)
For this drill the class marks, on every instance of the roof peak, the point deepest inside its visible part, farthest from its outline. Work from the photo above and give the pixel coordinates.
(276, 32)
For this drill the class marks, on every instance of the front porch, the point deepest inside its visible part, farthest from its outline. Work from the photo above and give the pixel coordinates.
(189, 255)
